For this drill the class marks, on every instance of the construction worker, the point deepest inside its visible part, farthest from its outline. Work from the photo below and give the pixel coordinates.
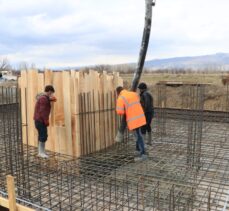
(128, 104)
(41, 117)
(146, 100)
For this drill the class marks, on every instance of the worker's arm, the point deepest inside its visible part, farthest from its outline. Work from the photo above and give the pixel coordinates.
(120, 106)
(120, 110)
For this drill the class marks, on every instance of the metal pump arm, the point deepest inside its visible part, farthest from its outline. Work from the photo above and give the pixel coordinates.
(142, 54)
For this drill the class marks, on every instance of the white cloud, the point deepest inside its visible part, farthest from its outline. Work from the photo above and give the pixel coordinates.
(78, 32)
(190, 27)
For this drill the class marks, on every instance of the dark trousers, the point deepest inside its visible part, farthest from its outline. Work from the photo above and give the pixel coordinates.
(147, 126)
(42, 131)
(139, 142)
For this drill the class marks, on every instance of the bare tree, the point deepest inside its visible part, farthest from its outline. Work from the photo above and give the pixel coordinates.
(4, 65)
(23, 66)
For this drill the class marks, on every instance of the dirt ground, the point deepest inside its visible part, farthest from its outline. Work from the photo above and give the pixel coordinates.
(215, 93)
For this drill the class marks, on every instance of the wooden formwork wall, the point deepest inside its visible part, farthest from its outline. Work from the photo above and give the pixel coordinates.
(79, 122)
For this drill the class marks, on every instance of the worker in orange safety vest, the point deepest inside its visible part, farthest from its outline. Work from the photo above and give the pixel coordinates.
(128, 104)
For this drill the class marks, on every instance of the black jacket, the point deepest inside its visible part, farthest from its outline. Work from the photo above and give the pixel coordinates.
(146, 100)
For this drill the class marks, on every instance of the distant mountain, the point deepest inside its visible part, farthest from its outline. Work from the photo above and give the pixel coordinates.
(219, 61)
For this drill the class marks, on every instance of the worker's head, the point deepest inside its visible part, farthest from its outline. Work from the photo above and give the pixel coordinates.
(118, 90)
(142, 87)
(49, 90)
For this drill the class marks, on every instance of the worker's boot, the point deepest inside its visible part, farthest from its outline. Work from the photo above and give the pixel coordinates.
(149, 140)
(41, 150)
(119, 137)
(141, 158)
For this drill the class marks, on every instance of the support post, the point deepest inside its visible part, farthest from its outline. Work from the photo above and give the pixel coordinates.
(11, 193)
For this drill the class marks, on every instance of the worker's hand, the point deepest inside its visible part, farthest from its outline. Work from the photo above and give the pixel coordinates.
(46, 123)
(119, 137)
(52, 99)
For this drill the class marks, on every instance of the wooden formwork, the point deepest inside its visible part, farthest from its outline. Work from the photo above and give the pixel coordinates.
(70, 132)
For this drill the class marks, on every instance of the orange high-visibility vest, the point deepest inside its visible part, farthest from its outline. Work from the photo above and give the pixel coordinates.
(129, 103)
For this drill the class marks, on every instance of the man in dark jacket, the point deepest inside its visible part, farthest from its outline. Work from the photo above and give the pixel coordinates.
(41, 117)
(146, 100)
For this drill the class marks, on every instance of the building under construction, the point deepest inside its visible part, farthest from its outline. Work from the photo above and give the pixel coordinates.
(187, 168)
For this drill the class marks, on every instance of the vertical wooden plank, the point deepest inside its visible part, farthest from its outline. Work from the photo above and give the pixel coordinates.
(102, 113)
(106, 121)
(82, 83)
(112, 116)
(11, 193)
(84, 123)
(86, 106)
(93, 87)
(67, 110)
(85, 129)
(23, 86)
(73, 110)
(48, 77)
(93, 128)
(81, 120)
(76, 126)
(109, 119)
(41, 81)
(96, 110)
(73, 87)
(115, 84)
(32, 87)
(89, 140)
(57, 112)
(61, 144)
(58, 109)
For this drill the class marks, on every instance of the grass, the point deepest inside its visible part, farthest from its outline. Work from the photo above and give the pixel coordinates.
(215, 93)
(153, 78)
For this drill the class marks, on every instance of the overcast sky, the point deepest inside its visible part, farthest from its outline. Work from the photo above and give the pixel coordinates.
(57, 33)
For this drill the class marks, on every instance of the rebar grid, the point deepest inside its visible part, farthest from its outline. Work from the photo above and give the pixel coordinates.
(187, 167)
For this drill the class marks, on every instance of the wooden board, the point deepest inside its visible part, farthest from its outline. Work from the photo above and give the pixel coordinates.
(5, 203)
(32, 91)
(67, 111)
(23, 85)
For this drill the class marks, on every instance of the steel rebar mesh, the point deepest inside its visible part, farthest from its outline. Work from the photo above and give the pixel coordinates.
(187, 167)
